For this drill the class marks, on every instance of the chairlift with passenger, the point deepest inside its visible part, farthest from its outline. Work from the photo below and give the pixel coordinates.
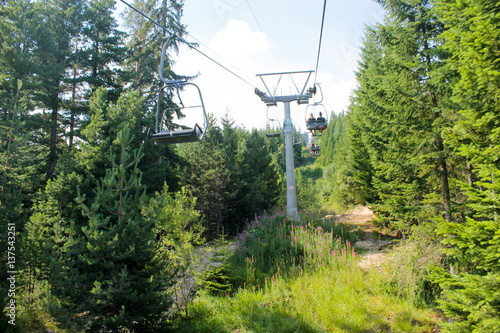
(315, 120)
(314, 148)
(170, 134)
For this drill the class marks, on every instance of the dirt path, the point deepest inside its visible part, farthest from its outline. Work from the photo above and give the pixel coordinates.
(373, 245)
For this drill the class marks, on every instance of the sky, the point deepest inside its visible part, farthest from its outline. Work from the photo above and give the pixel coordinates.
(252, 37)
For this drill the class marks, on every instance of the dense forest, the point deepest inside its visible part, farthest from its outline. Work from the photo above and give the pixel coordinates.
(97, 222)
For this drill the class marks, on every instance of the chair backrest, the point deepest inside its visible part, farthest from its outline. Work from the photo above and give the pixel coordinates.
(165, 134)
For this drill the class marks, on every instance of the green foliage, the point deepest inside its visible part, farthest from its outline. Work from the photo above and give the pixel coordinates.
(471, 296)
(145, 43)
(233, 176)
(276, 244)
(321, 290)
(429, 72)
(258, 176)
(177, 226)
(107, 272)
(104, 48)
(348, 172)
(106, 120)
(399, 111)
(211, 179)
(308, 196)
(21, 166)
(216, 281)
(408, 271)
(471, 288)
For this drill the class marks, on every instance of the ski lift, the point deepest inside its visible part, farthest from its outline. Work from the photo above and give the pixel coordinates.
(316, 122)
(299, 138)
(273, 128)
(164, 134)
(314, 148)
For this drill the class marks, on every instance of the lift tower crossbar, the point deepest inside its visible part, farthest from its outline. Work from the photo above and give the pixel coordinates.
(270, 99)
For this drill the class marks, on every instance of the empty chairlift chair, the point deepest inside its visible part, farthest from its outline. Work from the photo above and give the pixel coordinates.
(163, 134)
(273, 128)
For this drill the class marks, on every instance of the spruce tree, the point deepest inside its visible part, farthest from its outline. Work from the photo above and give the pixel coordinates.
(208, 176)
(259, 181)
(472, 294)
(58, 22)
(400, 113)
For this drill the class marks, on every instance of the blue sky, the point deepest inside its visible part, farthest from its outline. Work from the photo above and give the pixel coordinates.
(288, 41)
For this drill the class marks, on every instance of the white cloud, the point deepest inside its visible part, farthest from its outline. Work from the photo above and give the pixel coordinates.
(247, 52)
(243, 50)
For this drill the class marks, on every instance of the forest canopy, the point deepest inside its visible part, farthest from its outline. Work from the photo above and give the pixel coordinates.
(99, 220)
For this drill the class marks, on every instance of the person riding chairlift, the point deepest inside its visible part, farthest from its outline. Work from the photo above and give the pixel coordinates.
(311, 120)
(320, 118)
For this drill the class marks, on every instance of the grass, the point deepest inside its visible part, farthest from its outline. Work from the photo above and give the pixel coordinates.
(289, 276)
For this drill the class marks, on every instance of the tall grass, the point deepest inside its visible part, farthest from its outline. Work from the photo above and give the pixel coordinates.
(273, 244)
(290, 276)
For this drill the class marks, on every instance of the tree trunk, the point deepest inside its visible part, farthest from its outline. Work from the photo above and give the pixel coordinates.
(53, 142)
(470, 178)
(445, 187)
(72, 110)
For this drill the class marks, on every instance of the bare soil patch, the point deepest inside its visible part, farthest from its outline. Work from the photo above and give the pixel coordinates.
(374, 243)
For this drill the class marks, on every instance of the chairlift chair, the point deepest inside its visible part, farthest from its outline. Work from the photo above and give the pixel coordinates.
(315, 121)
(316, 124)
(314, 148)
(315, 151)
(273, 128)
(163, 134)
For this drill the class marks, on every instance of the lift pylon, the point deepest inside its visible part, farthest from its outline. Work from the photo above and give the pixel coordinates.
(272, 99)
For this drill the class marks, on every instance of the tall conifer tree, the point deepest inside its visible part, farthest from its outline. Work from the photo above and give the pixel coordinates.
(472, 294)
(108, 270)
(400, 113)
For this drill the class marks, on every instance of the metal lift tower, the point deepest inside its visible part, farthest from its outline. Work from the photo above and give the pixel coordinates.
(302, 97)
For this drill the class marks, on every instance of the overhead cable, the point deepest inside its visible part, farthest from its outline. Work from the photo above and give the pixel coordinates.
(269, 43)
(262, 30)
(186, 42)
(320, 38)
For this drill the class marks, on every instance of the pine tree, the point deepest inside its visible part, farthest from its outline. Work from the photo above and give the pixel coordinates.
(103, 48)
(107, 271)
(98, 52)
(146, 41)
(21, 174)
(106, 119)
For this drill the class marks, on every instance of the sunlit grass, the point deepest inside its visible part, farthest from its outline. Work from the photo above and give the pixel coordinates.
(290, 276)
